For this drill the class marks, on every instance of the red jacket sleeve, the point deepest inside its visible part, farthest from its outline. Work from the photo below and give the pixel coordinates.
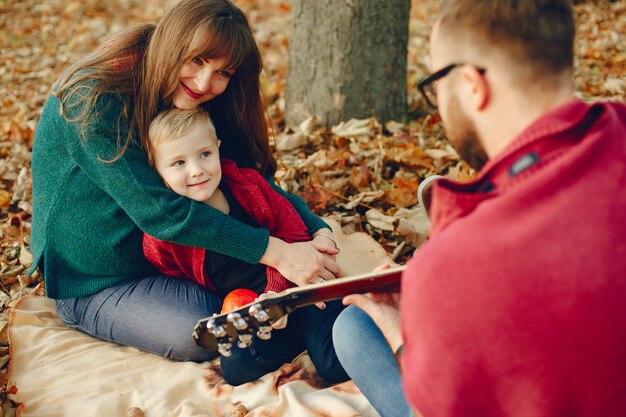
(177, 260)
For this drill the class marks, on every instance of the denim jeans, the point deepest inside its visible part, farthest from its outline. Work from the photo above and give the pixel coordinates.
(369, 361)
(308, 328)
(157, 314)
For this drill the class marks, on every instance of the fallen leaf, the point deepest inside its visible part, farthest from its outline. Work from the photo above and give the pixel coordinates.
(394, 127)
(615, 86)
(360, 176)
(307, 126)
(380, 220)
(26, 258)
(290, 141)
(403, 191)
(5, 197)
(353, 127)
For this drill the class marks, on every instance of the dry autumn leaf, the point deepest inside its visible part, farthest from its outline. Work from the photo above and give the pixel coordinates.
(380, 220)
(353, 127)
(403, 191)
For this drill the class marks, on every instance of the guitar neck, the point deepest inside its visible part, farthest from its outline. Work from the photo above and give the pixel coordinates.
(219, 331)
(387, 280)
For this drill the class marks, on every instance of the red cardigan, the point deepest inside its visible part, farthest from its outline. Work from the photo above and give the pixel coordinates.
(267, 207)
(516, 306)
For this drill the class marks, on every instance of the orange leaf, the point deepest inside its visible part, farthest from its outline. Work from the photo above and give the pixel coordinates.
(361, 176)
(403, 192)
(316, 197)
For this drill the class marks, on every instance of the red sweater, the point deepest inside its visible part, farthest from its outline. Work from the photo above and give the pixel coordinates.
(268, 208)
(516, 306)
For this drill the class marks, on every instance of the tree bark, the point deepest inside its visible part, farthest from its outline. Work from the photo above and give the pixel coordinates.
(347, 59)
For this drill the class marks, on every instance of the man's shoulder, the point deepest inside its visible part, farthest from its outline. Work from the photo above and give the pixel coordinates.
(618, 108)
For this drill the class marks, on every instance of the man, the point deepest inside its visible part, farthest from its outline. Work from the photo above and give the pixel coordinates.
(516, 306)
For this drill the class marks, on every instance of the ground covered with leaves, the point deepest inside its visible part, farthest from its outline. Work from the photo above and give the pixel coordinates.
(363, 174)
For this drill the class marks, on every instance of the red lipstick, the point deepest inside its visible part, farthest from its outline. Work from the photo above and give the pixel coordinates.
(191, 93)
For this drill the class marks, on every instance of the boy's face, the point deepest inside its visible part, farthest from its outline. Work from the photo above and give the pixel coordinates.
(190, 165)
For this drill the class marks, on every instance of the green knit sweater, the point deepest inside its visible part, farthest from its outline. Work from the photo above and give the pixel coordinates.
(89, 216)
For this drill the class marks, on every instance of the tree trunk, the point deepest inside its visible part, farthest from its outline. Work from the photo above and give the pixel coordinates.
(347, 59)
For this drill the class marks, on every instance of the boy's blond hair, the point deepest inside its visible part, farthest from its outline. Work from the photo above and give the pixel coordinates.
(173, 123)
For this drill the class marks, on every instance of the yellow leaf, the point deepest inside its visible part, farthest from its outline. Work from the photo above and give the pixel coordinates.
(26, 258)
(5, 197)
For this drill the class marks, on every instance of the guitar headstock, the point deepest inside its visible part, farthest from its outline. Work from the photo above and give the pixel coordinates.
(220, 331)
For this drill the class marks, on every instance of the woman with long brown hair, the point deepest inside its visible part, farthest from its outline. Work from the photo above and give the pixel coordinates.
(94, 193)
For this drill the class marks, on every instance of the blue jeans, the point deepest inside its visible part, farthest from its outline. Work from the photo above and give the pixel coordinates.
(157, 314)
(369, 361)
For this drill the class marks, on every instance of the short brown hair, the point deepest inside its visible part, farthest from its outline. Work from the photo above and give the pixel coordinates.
(174, 123)
(538, 33)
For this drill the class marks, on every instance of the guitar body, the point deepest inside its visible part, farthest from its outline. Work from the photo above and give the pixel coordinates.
(218, 332)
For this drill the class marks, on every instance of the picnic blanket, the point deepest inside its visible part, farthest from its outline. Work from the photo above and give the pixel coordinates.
(63, 372)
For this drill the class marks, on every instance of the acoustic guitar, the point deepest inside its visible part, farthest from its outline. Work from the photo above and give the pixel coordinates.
(220, 331)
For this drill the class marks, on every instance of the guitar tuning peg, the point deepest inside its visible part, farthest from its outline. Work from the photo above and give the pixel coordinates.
(244, 336)
(219, 332)
(225, 349)
(237, 321)
(258, 312)
(245, 340)
(265, 330)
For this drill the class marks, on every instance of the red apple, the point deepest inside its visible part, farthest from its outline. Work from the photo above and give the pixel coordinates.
(237, 298)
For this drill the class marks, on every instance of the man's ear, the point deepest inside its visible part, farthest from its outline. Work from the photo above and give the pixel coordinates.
(478, 85)
(219, 142)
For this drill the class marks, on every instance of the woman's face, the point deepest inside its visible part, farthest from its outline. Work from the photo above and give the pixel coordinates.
(201, 80)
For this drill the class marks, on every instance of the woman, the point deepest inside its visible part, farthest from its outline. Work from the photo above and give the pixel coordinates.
(94, 193)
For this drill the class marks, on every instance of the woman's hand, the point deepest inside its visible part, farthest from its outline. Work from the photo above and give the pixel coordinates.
(301, 263)
(324, 241)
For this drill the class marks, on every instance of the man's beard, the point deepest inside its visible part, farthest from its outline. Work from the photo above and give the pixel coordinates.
(462, 134)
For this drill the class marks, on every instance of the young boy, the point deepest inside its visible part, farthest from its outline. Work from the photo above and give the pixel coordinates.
(184, 150)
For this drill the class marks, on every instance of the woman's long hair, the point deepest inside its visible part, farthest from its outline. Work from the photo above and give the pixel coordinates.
(143, 64)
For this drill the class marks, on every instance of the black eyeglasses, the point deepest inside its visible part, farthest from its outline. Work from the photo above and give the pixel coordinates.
(428, 85)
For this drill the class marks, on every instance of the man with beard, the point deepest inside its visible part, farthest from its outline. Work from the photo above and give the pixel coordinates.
(515, 306)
